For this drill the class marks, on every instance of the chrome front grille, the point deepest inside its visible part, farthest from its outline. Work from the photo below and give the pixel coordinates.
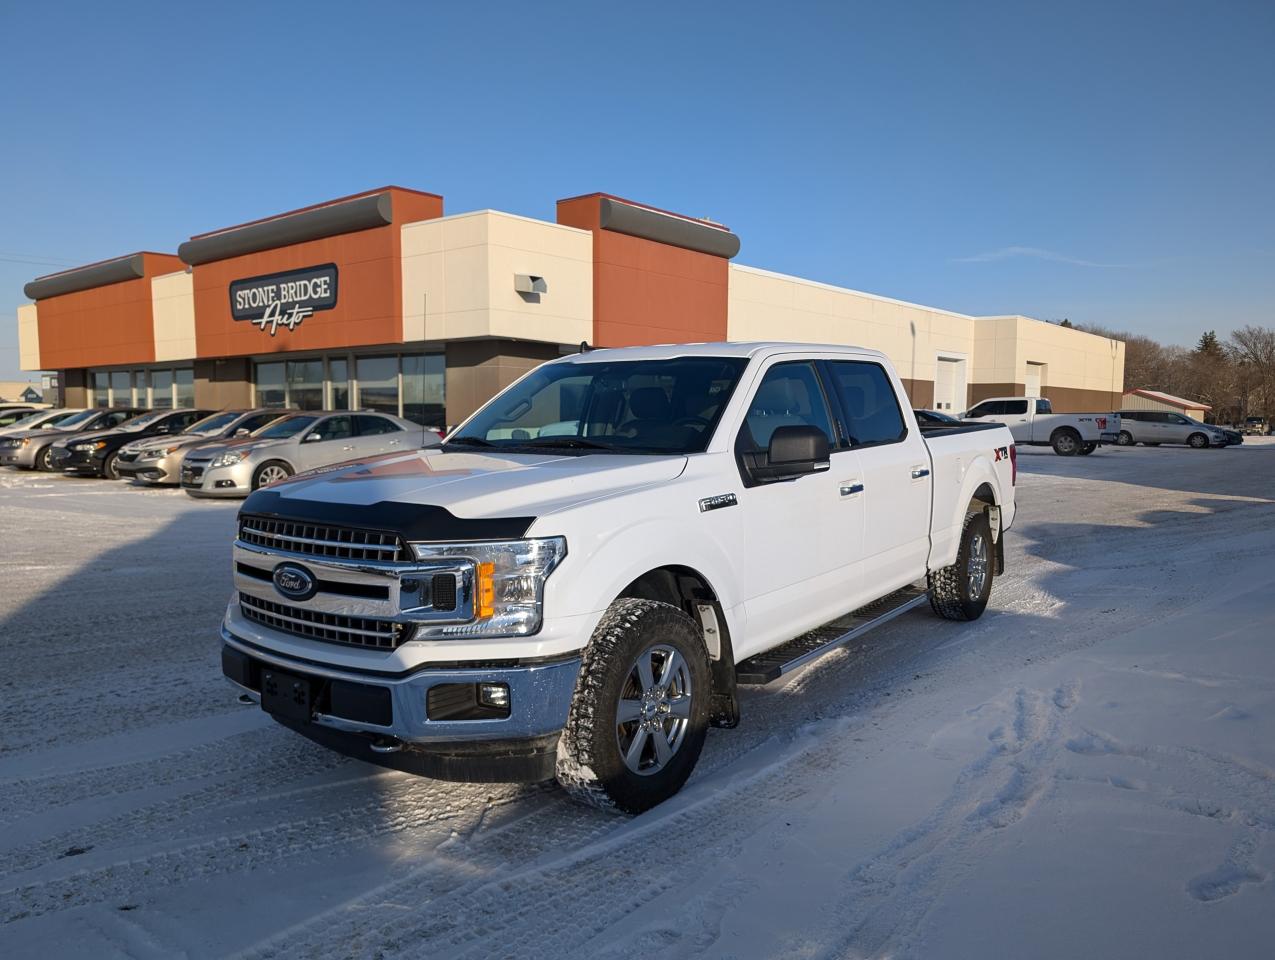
(321, 540)
(330, 627)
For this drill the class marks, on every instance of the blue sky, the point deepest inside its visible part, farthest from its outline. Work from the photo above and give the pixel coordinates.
(1109, 162)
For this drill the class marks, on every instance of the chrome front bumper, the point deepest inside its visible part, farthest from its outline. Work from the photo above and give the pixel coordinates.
(539, 695)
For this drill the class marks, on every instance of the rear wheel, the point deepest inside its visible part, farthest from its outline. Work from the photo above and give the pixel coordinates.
(272, 471)
(1125, 439)
(1197, 440)
(639, 715)
(1087, 448)
(961, 591)
(1066, 442)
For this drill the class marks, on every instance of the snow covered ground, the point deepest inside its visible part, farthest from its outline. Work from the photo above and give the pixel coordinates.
(1088, 770)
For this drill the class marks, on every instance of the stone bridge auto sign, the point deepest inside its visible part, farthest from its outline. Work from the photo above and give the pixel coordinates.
(283, 299)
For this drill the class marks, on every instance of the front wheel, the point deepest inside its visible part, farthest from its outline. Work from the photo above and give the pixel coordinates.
(272, 471)
(639, 714)
(1125, 439)
(44, 459)
(1066, 443)
(961, 591)
(111, 468)
(1197, 440)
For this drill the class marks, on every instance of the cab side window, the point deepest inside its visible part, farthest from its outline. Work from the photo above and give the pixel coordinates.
(1042, 406)
(257, 422)
(868, 402)
(789, 395)
(1015, 407)
(334, 428)
(989, 408)
(371, 426)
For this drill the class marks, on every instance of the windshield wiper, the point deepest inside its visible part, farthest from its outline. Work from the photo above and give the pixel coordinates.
(468, 441)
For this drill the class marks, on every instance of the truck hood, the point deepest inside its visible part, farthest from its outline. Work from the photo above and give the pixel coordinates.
(479, 485)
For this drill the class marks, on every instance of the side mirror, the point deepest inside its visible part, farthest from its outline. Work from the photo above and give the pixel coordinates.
(312, 438)
(242, 432)
(793, 452)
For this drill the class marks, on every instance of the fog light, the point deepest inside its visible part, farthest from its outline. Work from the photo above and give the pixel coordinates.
(494, 695)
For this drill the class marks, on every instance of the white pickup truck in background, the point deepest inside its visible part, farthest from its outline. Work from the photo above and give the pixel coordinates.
(573, 584)
(1033, 422)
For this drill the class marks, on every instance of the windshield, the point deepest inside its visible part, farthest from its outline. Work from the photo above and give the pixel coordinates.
(211, 426)
(76, 419)
(142, 422)
(629, 406)
(31, 419)
(280, 429)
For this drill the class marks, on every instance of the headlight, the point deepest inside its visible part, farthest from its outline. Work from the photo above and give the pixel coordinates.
(507, 581)
(95, 445)
(159, 452)
(227, 459)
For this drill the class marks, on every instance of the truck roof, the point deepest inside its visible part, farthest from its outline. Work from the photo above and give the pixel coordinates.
(668, 351)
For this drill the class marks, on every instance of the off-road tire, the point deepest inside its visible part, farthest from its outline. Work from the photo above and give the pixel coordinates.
(256, 474)
(110, 469)
(1125, 439)
(1086, 449)
(1197, 441)
(1066, 442)
(42, 461)
(590, 767)
(950, 595)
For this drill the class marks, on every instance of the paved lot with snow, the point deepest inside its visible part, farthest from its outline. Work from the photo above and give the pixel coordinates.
(1088, 770)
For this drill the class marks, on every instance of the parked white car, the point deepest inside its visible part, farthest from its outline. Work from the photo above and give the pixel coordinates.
(575, 582)
(290, 445)
(1033, 422)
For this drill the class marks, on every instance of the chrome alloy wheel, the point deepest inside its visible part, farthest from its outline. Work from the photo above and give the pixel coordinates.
(271, 474)
(976, 566)
(654, 709)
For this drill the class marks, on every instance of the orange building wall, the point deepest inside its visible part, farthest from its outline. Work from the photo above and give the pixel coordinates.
(103, 326)
(646, 292)
(369, 307)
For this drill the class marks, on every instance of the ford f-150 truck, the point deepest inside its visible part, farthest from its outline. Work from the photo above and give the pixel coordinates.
(575, 582)
(1032, 422)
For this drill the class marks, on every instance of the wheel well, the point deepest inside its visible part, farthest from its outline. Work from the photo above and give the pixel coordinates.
(680, 586)
(1072, 430)
(984, 496)
(984, 501)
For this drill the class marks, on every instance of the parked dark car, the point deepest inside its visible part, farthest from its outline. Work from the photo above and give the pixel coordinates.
(33, 449)
(1232, 436)
(96, 454)
(933, 418)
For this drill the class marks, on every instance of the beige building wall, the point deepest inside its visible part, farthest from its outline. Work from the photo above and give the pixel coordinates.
(28, 338)
(773, 306)
(1077, 371)
(458, 279)
(173, 316)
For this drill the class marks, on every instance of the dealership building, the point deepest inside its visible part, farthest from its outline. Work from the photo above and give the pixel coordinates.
(380, 301)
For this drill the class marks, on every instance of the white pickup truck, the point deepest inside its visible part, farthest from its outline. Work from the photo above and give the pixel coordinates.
(1032, 422)
(574, 583)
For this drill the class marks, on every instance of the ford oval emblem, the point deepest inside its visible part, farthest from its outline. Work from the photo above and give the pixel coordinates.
(294, 581)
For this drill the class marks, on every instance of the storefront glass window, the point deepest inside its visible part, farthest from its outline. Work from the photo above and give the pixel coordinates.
(423, 378)
(378, 384)
(271, 389)
(339, 373)
(101, 389)
(161, 389)
(121, 388)
(185, 380)
(305, 384)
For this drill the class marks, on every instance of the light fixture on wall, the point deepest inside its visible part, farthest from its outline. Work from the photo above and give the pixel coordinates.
(526, 283)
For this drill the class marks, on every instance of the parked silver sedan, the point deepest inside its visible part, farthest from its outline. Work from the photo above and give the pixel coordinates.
(303, 441)
(158, 460)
